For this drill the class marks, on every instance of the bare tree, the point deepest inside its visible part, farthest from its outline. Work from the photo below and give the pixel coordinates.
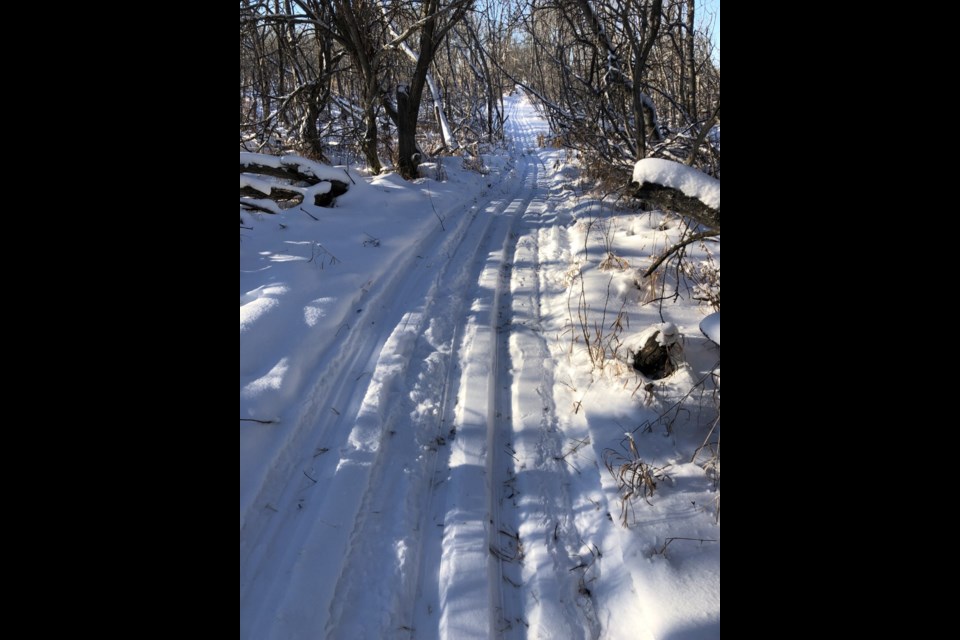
(433, 19)
(617, 79)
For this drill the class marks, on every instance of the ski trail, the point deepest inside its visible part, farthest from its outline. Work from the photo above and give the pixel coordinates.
(553, 596)
(433, 490)
(556, 595)
(480, 550)
(395, 509)
(510, 516)
(468, 576)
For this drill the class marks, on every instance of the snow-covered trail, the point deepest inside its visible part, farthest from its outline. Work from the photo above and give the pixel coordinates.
(385, 454)
(433, 490)
(390, 459)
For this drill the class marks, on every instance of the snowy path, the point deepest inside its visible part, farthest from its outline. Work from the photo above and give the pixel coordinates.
(432, 489)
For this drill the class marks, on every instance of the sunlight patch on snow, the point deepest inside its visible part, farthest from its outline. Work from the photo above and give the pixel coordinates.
(255, 304)
(270, 382)
(317, 309)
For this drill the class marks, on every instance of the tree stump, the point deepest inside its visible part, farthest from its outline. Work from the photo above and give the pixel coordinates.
(657, 358)
(653, 360)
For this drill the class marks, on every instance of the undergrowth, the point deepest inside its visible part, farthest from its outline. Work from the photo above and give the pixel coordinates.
(634, 477)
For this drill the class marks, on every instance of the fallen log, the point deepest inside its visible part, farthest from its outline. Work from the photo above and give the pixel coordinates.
(304, 177)
(668, 185)
(655, 196)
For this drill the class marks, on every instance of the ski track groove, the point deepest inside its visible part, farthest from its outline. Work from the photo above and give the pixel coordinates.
(471, 522)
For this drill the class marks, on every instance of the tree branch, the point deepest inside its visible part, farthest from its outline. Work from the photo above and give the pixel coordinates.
(680, 245)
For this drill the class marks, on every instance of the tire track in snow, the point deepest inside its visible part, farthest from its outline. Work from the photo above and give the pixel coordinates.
(505, 544)
(504, 540)
(550, 600)
(356, 351)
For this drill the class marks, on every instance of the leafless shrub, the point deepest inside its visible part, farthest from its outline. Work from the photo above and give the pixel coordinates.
(705, 277)
(602, 340)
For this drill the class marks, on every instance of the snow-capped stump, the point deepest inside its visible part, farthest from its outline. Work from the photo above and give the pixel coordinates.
(655, 352)
(710, 327)
(296, 180)
(664, 184)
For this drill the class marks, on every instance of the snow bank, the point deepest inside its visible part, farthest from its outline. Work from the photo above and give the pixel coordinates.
(710, 326)
(689, 181)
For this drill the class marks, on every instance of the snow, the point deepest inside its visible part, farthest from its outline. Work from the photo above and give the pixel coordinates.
(261, 185)
(435, 432)
(263, 203)
(690, 181)
(316, 190)
(668, 334)
(710, 326)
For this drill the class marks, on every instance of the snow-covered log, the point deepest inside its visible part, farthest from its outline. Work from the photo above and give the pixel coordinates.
(669, 185)
(320, 182)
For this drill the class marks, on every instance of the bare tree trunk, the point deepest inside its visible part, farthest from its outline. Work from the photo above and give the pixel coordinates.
(445, 129)
(350, 19)
(703, 135)
(691, 61)
(645, 112)
(370, 138)
(409, 97)
(407, 111)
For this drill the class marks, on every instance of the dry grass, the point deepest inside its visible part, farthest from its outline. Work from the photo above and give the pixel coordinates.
(634, 477)
(475, 164)
(602, 340)
(613, 261)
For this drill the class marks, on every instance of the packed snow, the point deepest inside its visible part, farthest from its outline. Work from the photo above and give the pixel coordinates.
(691, 182)
(425, 436)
